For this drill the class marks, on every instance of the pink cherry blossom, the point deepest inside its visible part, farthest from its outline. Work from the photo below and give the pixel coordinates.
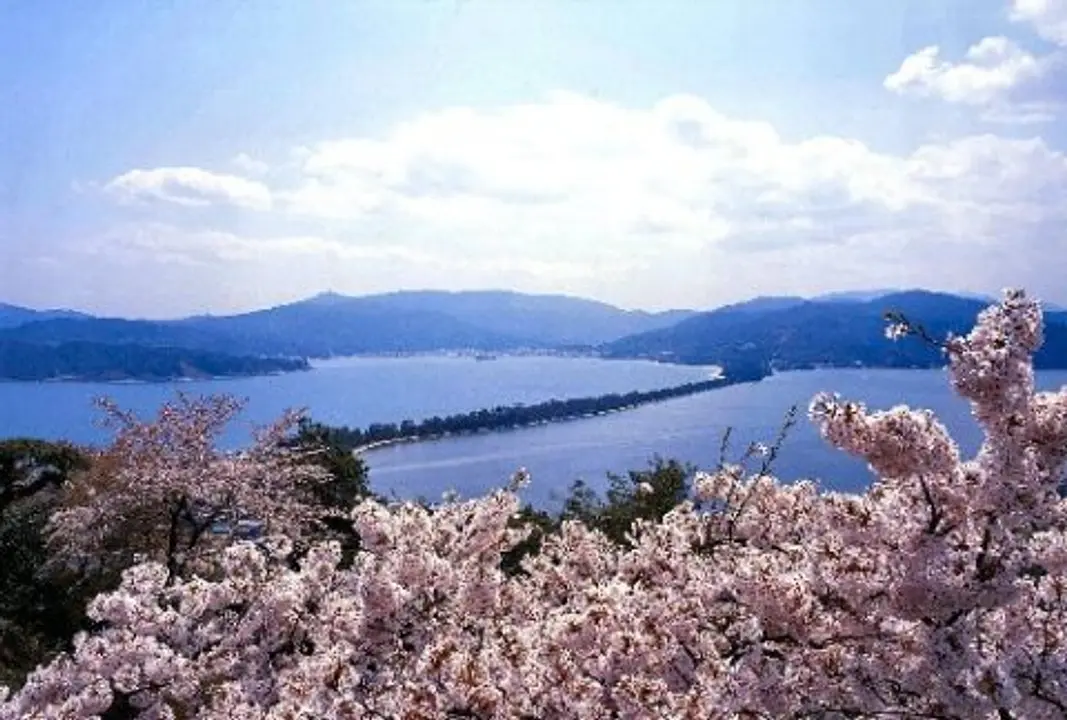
(161, 487)
(941, 592)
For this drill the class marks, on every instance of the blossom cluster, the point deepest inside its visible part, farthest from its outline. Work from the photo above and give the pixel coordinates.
(941, 592)
(160, 488)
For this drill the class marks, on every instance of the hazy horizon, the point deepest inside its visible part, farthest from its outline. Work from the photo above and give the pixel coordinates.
(828, 294)
(214, 156)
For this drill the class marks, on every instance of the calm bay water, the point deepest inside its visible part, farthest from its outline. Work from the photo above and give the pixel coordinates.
(345, 391)
(689, 429)
(357, 392)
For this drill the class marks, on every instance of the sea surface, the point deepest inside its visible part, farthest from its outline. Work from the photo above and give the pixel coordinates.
(343, 391)
(359, 391)
(689, 429)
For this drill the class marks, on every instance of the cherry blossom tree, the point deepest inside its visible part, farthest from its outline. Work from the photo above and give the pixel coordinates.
(161, 487)
(941, 592)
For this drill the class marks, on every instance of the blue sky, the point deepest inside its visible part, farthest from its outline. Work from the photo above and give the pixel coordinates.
(168, 158)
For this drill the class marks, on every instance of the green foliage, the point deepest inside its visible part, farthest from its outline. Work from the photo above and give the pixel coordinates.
(29, 466)
(349, 484)
(646, 495)
(540, 525)
(639, 495)
(331, 451)
(39, 613)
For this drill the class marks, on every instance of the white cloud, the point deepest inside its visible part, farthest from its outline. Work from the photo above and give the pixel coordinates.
(990, 69)
(572, 167)
(248, 165)
(679, 168)
(189, 186)
(162, 242)
(670, 205)
(155, 265)
(1009, 82)
(1048, 17)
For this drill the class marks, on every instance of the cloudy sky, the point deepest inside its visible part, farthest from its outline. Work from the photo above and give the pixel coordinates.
(166, 158)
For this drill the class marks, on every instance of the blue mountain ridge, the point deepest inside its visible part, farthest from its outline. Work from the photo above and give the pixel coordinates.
(836, 329)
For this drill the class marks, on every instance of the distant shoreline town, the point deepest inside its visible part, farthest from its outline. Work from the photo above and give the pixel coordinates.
(786, 333)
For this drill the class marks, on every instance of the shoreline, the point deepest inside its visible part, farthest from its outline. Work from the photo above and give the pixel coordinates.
(76, 379)
(412, 439)
(719, 381)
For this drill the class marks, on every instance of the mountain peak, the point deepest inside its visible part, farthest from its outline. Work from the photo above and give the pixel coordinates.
(328, 295)
(15, 315)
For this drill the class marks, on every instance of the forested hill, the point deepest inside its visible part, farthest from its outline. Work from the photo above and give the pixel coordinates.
(843, 329)
(546, 320)
(99, 362)
(15, 315)
(798, 334)
(330, 324)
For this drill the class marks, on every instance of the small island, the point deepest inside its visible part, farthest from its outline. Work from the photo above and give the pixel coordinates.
(100, 362)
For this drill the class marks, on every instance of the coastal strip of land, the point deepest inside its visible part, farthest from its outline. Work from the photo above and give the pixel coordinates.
(515, 417)
(79, 361)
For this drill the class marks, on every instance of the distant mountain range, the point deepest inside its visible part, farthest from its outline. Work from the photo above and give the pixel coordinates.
(839, 329)
(836, 331)
(329, 325)
(13, 315)
(539, 320)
